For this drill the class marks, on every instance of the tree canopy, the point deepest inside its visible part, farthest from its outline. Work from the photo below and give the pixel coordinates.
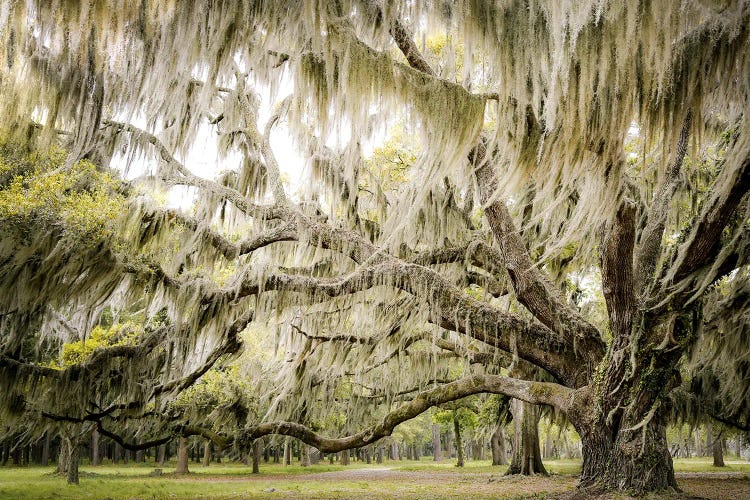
(546, 160)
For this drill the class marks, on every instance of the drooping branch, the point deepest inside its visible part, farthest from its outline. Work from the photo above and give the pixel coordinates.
(176, 173)
(531, 392)
(532, 288)
(230, 345)
(229, 249)
(729, 190)
(650, 244)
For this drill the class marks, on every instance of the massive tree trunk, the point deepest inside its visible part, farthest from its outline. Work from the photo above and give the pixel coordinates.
(498, 447)
(629, 452)
(527, 457)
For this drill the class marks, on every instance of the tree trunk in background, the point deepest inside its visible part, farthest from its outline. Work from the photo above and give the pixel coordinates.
(161, 454)
(345, 457)
(182, 456)
(63, 459)
(718, 449)
(449, 444)
(416, 452)
(459, 445)
(206, 453)
(276, 454)
(117, 453)
(437, 453)
(287, 452)
(738, 446)
(394, 451)
(497, 442)
(95, 459)
(305, 452)
(698, 443)
(73, 451)
(256, 456)
(45, 450)
(527, 458)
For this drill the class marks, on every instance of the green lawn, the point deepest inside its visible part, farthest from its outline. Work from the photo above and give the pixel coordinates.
(418, 479)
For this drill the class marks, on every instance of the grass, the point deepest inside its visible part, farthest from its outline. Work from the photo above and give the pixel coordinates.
(234, 481)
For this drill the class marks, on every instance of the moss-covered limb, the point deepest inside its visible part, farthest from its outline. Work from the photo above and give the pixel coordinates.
(23, 369)
(617, 247)
(532, 392)
(692, 403)
(230, 345)
(263, 140)
(453, 308)
(727, 194)
(405, 41)
(229, 249)
(130, 445)
(650, 238)
(343, 337)
(177, 173)
(533, 289)
(476, 252)
(478, 357)
(97, 362)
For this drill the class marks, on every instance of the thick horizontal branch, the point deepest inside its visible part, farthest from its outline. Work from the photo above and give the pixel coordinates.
(532, 392)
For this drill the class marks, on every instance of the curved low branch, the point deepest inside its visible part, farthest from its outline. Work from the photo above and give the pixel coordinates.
(531, 392)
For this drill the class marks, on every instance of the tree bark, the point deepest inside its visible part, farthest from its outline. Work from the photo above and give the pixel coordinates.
(95, 459)
(45, 450)
(287, 452)
(718, 449)
(459, 444)
(182, 456)
(74, 454)
(161, 455)
(207, 453)
(527, 457)
(256, 456)
(497, 441)
(345, 457)
(627, 454)
(437, 452)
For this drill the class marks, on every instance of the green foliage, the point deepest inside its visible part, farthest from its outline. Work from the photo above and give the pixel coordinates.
(36, 190)
(467, 418)
(115, 335)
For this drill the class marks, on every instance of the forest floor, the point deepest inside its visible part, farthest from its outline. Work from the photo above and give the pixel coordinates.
(392, 479)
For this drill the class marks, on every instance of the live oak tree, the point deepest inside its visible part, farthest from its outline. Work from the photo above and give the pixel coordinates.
(523, 183)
